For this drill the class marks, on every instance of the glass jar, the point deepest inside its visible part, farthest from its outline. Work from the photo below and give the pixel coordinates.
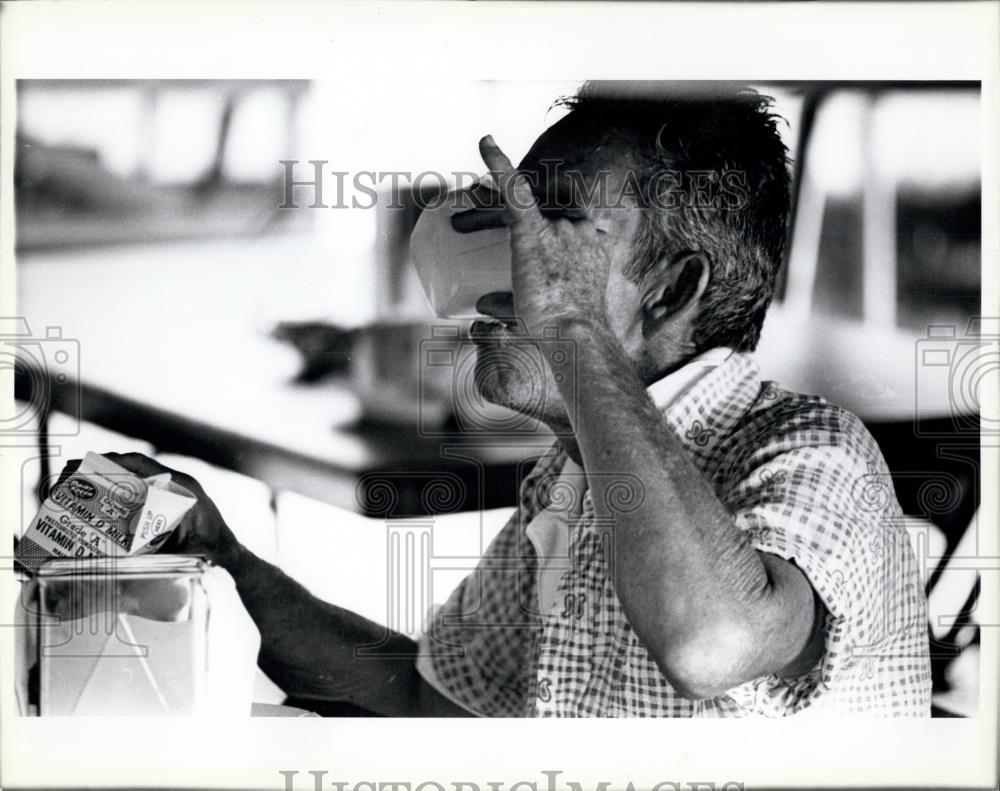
(119, 636)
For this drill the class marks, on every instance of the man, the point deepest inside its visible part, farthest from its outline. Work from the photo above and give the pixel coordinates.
(697, 542)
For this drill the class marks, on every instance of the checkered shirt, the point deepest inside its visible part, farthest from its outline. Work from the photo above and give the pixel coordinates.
(804, 480)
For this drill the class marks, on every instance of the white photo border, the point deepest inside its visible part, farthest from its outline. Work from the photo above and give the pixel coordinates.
(554, 41)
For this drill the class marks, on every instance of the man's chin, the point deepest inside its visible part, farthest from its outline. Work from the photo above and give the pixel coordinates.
(498, 391)
(492, 389)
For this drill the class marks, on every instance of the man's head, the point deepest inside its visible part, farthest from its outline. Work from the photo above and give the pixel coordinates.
(693, 192)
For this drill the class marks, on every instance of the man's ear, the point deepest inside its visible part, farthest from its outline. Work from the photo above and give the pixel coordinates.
(675, 288)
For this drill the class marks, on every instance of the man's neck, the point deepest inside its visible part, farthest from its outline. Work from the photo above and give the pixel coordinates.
(564, 431)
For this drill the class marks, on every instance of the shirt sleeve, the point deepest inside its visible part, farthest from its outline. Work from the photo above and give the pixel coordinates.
(831, 510)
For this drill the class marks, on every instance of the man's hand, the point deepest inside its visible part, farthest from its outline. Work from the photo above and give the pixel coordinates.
(203, 531)
(560, 267)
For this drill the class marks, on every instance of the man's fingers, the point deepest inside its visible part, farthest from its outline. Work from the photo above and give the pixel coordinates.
(498, 304)
(496, 160)
(137, 463)
(473, 220)
(179, 535)
(519, 202)
(70, 467)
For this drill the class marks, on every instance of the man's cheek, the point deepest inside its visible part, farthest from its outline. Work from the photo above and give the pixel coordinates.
(623, 299)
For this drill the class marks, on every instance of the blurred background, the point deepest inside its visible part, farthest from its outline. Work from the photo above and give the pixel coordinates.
(279, 354)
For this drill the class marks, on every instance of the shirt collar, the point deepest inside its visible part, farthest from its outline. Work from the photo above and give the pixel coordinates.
(701, 401)
(667, 390)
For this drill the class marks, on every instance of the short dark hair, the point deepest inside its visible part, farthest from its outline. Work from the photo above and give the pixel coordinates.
(716, 130)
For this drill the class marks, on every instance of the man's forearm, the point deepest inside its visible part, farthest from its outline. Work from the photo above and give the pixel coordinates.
(310, 647)
(692, 586)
